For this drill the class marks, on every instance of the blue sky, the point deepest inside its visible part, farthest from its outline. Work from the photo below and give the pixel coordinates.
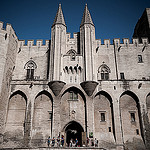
(32, 19)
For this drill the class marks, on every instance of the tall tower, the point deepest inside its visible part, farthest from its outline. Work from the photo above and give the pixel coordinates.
(87, 38)
(58, 44)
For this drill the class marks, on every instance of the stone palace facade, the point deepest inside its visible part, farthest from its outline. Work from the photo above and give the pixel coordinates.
(76, 87)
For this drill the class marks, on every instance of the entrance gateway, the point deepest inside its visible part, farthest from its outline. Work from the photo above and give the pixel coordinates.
(74, 130)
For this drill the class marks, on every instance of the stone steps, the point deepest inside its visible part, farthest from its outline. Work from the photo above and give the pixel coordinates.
(56, 148)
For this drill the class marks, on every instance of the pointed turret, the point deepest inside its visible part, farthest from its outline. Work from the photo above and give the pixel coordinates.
(58, 46)
(87, 39)
(59, 19)
(86, 19)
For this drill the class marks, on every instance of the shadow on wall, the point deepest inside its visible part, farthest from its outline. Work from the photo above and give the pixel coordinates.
(13, 139)
(147, 129)
(134, 144)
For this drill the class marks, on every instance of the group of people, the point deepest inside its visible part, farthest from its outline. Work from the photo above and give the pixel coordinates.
(92, 142)
(73, 143)
(60, 141)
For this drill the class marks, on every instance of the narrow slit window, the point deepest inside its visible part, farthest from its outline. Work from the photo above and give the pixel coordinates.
(102, 117)
(137, 131)
(50, 115)
(140, 60)
(122, 76)
(109, 129)
(132, 117)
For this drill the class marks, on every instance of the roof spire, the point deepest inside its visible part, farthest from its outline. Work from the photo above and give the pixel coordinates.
(86, 19)
(59, 18)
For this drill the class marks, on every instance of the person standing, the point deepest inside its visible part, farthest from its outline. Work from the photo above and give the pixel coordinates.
(92, 142)
(76, 142)
(58, 141)
(71, 141)
(53, 142)
(48, 141)
(62, 140)
(88, 141)
(96, 142)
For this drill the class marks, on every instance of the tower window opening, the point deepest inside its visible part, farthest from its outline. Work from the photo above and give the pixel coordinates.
(50, 115)
(137, 131)
(109, 129)
(140, 59)
(122, 76)
(73, 95)
(30, 74)
(132, 117)
(103, 117)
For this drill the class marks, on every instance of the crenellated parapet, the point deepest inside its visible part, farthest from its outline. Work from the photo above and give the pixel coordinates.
(8, 30)
(117, 43)
(72, 43)
(32, 43)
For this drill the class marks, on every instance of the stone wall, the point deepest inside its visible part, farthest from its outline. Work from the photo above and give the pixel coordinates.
(8, 44)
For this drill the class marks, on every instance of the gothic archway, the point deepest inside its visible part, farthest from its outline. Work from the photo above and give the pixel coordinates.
(73, 107)
(74, 131)
(42, 118)
(16, 114)
(104, 117)
(131, 122)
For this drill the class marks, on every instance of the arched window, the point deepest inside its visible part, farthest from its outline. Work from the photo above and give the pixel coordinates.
(72, 54)
(30, 66)
(104, 72)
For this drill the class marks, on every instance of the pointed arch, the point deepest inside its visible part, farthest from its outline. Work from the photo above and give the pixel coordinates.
(104, 68)
(46, 93)
(72, 122)
(66, 69)
(103, 72)
(30, 64)
(75, 68)
(133, 95)
(106, 94)
(73, 88)
(74, 130)
(130, 115)
(72, 54)
(80, 69)
(16, 115)
(42, 115)
(71, 69)
(74, 100)
(71, 51)
(20, 93)
(104, 113)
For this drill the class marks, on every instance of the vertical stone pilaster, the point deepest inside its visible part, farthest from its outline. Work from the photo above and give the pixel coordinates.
(118, 123)
(56, 117)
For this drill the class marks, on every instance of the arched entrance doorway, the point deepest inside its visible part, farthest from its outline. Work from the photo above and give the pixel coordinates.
(74, 130)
